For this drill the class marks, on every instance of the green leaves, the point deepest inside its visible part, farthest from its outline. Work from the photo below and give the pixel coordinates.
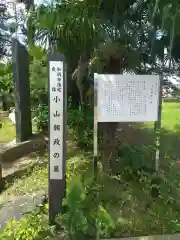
(84, 212)
(37, 52)
(76, 27)
(31, 227)
(105, 222)
(41, 119)
(74, 220)
(38, 76)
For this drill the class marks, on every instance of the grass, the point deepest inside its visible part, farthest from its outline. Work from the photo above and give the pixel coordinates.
(32, 181)
(36, 178)
(170, 141)
(171, 116)
(135, 211)
(7, 131)
(127, 198)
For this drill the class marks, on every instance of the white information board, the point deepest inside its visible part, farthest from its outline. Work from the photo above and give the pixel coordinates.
(127, 98)
(56, 119)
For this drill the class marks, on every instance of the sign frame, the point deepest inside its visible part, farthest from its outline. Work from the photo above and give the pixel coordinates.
(157, 124)
(57, 187)
(113, 80)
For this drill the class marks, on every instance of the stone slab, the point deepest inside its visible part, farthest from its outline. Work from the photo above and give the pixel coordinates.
(4, 113)
(13, 151)
(19, 206)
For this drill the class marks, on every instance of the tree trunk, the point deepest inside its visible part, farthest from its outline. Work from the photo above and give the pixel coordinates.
(108, 142)
(29, 4)
(108, 145)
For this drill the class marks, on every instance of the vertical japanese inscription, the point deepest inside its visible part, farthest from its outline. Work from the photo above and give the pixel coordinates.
(56, 119)
(127, 98)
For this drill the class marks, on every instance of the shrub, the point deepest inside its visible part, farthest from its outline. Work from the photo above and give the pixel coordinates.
(81, 123)
(85, 215)
(38, 76)
(41, 117)
(6, 86)
(31, 227)
(74, 221)
(135, 158)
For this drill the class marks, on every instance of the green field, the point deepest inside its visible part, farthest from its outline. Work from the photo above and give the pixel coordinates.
(7, 131)
(171, 116)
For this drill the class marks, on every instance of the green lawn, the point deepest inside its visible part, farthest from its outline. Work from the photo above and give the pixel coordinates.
(7, 131)
(171, 116)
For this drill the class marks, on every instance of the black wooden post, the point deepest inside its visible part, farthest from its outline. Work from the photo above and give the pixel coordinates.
(57, 133)
(20, 62)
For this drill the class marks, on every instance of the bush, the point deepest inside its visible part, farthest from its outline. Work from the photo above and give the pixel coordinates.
(41, 117)
(39, 82)
(6, 86)
(81, 123)
(38, 76)
(6, 100)
(31, 227)
(85, 214)
(135, 158)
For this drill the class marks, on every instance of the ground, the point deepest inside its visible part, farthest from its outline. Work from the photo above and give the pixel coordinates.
(126, 196)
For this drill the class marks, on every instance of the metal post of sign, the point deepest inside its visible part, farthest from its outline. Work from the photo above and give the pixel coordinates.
(57, 133)
(95, 145)
(157, 128)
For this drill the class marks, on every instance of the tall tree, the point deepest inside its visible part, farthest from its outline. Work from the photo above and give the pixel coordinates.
(29, 5)
(4, 36)
(139, 36)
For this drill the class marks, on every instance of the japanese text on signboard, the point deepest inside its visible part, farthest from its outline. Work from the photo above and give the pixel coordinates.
(56, 119)
(127, 98)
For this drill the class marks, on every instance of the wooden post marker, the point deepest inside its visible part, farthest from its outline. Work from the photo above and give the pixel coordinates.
(57, 133)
